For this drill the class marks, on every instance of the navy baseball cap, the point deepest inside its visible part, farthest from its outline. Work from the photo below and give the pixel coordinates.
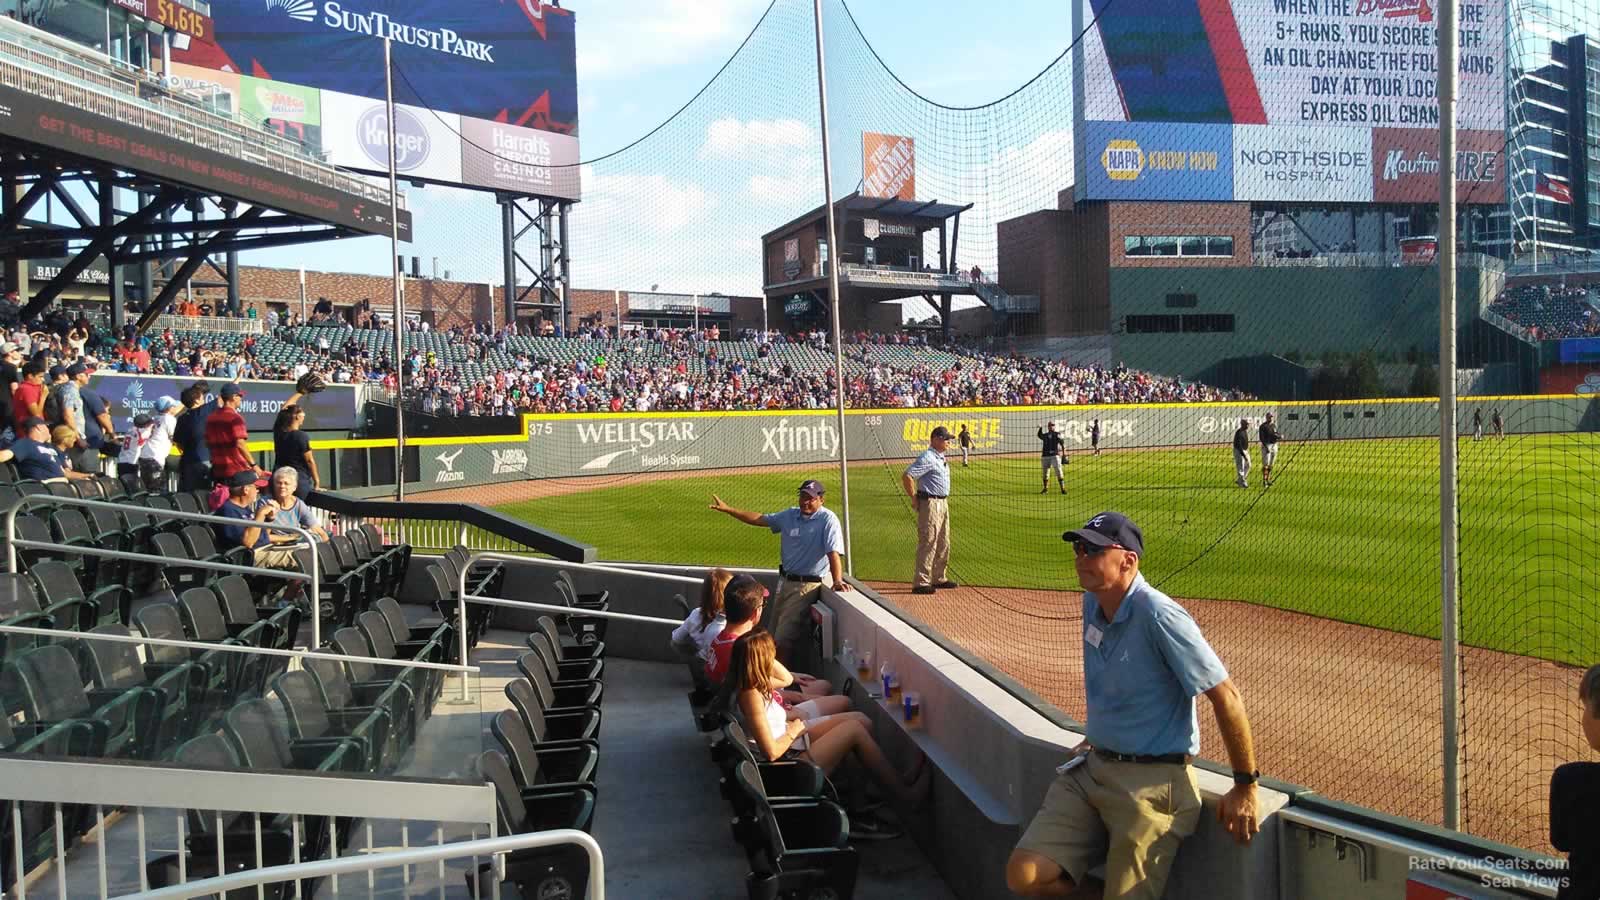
(57, 372)
(1107, 530)
(812, 488)
(940, 432)
(232, 390)
(246, 477)
(76, 369)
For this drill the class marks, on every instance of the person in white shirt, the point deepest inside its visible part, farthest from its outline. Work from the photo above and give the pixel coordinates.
(703, 623)
(155, 443)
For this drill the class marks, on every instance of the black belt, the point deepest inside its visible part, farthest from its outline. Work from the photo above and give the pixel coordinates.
(790, 576)
(924, 495)
(1176, 759)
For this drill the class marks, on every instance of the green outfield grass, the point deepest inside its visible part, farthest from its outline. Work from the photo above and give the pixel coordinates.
(1349, 530)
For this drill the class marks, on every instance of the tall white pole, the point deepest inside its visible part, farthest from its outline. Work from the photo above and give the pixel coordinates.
(1536, 226)
(833, 286)
(1449, 581)
(616, 301)
(302, 294)
(399, 302)
(697, 315)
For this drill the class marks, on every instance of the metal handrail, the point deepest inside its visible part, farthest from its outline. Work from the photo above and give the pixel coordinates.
(314, 576)
(486, 555)
(233, 648)
(495, 848)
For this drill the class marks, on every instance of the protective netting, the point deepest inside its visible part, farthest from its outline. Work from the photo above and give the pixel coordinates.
(1148, 277)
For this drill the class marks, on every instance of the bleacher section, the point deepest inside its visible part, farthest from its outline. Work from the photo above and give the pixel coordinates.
(1551, 313)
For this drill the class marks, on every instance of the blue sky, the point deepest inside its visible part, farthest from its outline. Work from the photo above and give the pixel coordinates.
(638, 60)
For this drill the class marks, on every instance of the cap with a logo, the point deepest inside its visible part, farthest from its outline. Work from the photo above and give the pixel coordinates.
(1109, 529)
(164, 403)
(232, 390)
(812, 488)
(940, 432)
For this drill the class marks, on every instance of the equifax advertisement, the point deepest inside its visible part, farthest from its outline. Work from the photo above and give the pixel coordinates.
(1316, 91)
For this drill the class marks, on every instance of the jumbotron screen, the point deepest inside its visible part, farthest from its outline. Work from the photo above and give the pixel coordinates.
(1283, 100)
(486, 90)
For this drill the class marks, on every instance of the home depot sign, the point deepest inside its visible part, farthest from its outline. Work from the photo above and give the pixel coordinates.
(888, 166)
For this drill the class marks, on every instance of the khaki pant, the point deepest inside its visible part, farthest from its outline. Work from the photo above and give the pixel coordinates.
(933, 540)
(1241, 465)
(788, 617)
(1132, 815)
(280, 557)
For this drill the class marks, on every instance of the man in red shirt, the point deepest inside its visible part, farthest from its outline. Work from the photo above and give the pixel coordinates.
(741, 605)
(27, 400)
(227, 437)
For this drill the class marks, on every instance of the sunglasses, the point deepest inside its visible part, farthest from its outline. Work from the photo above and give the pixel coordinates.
(1084, 548)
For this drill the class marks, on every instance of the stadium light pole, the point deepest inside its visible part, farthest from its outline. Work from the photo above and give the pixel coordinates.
(394, 259)
(1449, 581)
(833, 286)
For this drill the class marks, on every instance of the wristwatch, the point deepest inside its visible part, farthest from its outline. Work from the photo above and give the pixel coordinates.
(1246, 778)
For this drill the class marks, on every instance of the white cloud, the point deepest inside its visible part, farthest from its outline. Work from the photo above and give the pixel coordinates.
(731, 138)
(621, 38)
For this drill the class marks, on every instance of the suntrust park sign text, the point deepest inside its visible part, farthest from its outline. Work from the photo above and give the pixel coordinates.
(380, 25)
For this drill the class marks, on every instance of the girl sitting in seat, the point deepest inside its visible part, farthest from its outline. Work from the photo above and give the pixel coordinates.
(754, 679)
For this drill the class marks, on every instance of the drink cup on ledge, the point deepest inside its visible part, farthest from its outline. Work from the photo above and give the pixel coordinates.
(912, 709)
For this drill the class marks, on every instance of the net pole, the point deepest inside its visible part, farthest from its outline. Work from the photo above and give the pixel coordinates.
(394, 259)
(833, 286)
(1449, 582)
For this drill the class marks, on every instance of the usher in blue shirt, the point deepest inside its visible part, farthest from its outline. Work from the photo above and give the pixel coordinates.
(1142, 671)
(804, 541)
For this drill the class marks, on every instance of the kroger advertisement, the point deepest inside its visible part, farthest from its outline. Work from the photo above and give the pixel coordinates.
(486, 91)
(1316, 92)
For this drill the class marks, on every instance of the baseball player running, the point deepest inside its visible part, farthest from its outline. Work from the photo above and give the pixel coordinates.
(1051, 452)
(1269, 449)
(1241, 453)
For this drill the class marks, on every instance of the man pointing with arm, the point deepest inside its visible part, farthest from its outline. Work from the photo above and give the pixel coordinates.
(810, 553)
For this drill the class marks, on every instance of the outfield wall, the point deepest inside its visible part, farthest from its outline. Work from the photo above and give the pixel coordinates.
(576, 446)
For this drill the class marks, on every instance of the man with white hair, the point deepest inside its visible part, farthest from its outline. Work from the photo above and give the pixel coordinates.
(1051, 452)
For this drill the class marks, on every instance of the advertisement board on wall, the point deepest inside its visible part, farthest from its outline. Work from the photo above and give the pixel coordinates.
(357, 135)
(888, 166)
(129, 395)
(1302, 163)
(1346, 70)
(1405, 166)
(260, 100)
(1149, 160)
(487, 91)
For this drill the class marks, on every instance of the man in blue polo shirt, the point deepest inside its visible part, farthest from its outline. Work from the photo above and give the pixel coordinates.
(1128, 795)
(35, 457)
(927, 483)
(810, 554)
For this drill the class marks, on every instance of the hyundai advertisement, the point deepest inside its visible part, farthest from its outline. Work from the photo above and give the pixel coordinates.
(1296, 80)
(491, 81)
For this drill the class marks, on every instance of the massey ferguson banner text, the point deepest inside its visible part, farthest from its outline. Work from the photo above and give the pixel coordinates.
(486, 89)
(1350, 75)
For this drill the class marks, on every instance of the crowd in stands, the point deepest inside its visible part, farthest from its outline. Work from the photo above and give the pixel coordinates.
(477, 370)
(1551, 313)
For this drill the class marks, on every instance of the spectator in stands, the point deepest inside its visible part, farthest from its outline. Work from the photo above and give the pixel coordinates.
(1574, 796)
(35, 457)
(743, 600)
(291, 511)
(754, 677)
(128, 460)
(194, 465)
(1129, 783)
(228, 438)
(99, 433)
(292, 447)
(706, 621)
(271, 549)
(10, 378)
(69, 409)
(27, 401)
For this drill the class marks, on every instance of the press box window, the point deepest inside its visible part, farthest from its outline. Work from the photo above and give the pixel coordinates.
(1186, 245)
(1182, 301)
(1208, 323)
(1153, 324)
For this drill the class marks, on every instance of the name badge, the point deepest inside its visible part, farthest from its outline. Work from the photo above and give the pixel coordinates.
(794, 532)
(1092, 635)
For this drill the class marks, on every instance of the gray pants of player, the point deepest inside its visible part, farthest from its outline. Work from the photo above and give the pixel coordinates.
(1048, 464)
(1241, 464)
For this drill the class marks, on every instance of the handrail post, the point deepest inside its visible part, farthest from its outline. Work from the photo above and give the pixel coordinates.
(461, 617)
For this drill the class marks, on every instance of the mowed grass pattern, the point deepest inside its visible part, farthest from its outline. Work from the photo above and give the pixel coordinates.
(1349, 530)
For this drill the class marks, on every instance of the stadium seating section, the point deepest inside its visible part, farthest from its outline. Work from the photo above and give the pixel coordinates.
(1552, 313)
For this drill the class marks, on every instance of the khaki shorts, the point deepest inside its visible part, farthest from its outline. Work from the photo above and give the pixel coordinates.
(1131, 815)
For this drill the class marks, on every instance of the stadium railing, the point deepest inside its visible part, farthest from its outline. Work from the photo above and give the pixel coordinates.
(495, 848)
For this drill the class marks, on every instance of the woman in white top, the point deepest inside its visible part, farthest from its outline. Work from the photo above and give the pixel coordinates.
(705, 622)
(754, 676)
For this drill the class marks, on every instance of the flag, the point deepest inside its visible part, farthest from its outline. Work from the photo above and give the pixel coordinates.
(1550, 189)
